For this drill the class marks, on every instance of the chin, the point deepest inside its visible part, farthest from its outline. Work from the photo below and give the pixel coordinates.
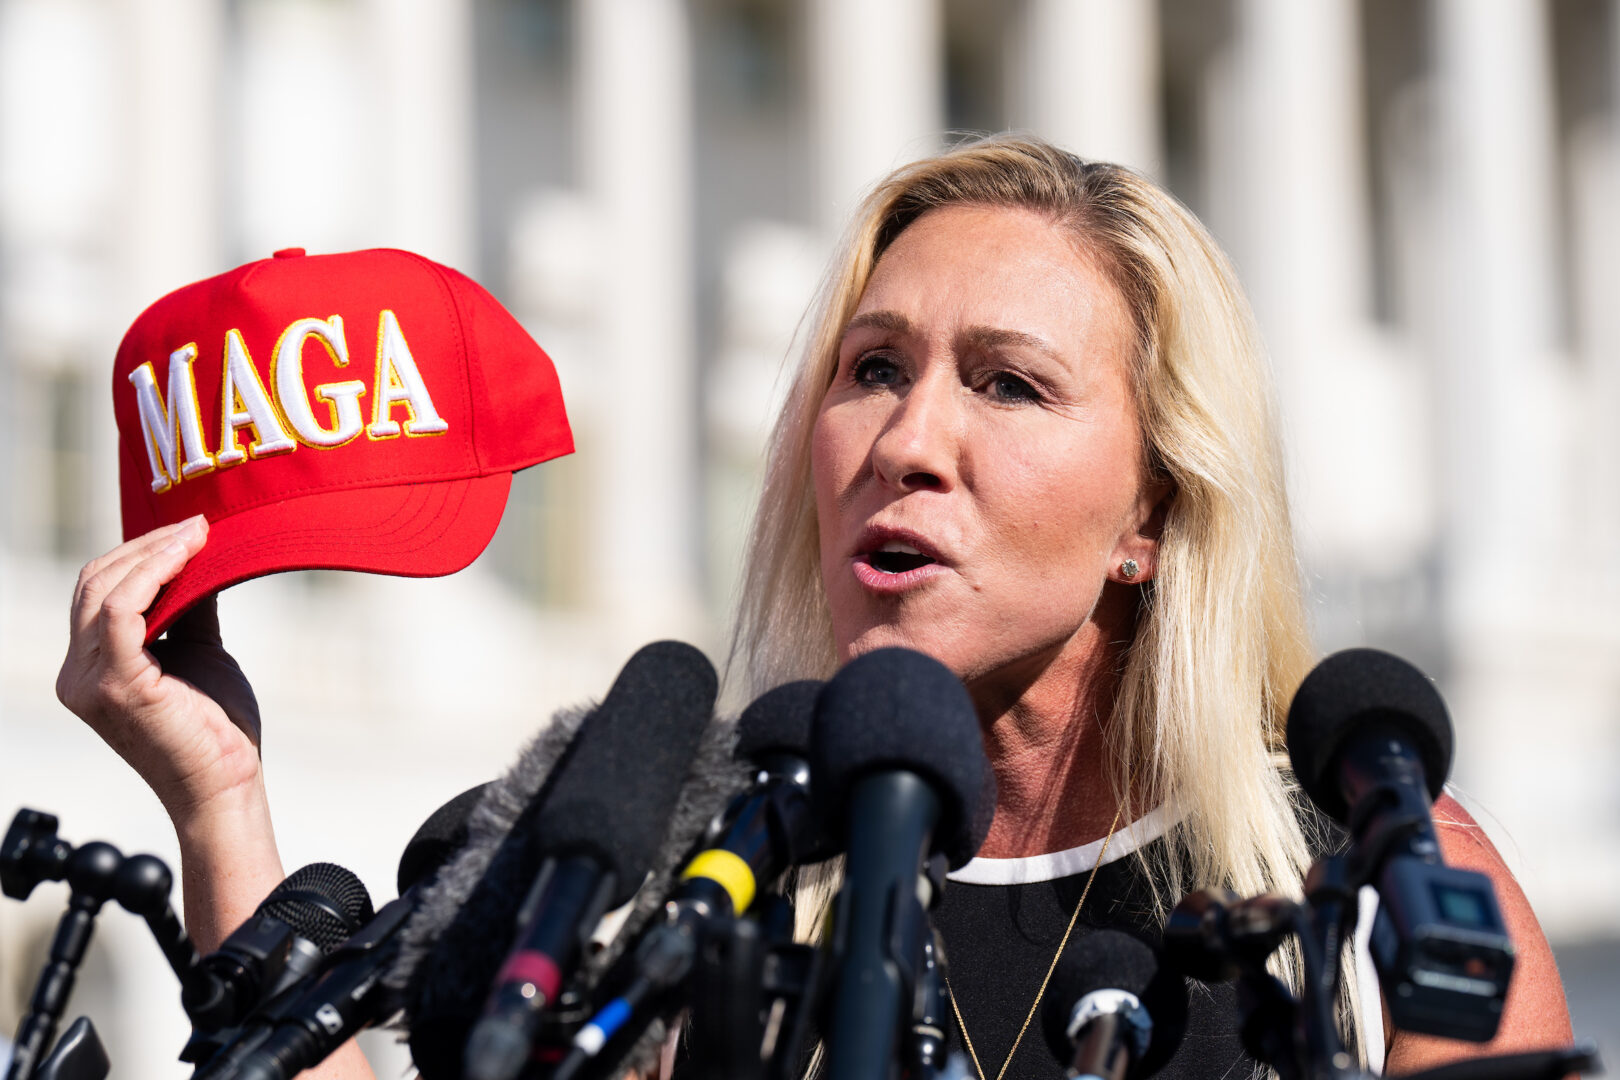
(887, 635)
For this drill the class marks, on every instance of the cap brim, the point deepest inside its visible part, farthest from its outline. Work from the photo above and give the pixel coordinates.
(412, 530)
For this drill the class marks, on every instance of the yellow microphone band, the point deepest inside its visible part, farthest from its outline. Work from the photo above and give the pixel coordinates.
(726, 870)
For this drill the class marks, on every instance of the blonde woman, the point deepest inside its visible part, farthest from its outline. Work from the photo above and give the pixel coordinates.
(1031, 435)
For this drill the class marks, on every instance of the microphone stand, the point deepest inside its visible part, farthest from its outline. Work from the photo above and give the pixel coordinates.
(1299, 1036)
(32, 853)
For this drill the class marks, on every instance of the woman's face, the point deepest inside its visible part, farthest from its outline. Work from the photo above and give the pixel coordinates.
(977, 459)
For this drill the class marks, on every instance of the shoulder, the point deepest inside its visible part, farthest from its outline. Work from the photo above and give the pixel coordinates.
(1536, 1014)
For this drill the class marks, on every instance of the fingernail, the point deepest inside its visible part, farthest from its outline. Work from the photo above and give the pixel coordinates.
(194, 528)
(174, 547)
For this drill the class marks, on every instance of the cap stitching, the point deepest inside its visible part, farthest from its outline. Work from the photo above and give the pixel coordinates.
(450, 300)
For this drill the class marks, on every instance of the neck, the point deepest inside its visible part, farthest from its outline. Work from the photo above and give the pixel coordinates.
(1045, 728)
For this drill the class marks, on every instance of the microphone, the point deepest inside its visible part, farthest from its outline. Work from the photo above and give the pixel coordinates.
(769, 827)
(438, 839)
(1111, 1012)
(1213, 936)
(303, 919)
(578, 843)
(301, 1029)
(901, 772)
(1370, 742)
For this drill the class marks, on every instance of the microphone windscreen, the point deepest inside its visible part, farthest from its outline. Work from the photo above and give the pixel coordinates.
(1115, 960)
(442, 835)
(614, 799)
(1346, 693)
(894, 709)
(640, 740)
(779, 720)
(323, 902)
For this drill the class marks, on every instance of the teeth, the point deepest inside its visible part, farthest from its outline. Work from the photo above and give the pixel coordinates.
(895, 545)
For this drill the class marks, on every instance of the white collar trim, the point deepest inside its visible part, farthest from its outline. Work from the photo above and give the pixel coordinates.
(1061, 864)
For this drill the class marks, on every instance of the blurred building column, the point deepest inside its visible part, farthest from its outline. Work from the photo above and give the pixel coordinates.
(1531, 629)
(633, 93)
(1596, 234)
(877, 95)
(1297, 179)
(1085, 75)
(174, 148)
(423, 52)
(173, 154)
(1499, 380)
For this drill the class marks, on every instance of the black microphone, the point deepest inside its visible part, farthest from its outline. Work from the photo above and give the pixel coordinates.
(303, 919)
(1211, 935)
(438, 839)
(769, 827)
(1111, 1011)
(300, 1029)
(1370, 742)
(579, 842)
(900, 769)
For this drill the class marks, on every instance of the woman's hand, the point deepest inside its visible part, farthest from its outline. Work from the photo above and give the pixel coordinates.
(184, 717)
(182, 713)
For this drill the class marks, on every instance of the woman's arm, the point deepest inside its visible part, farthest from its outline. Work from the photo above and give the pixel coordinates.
(1536, 1015)
(184, 717)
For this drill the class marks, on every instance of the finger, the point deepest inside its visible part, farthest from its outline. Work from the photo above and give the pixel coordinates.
(102, 574)
(122, 621)
(199, 623)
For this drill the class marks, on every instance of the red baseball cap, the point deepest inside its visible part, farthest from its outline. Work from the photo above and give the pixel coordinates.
(362, 411)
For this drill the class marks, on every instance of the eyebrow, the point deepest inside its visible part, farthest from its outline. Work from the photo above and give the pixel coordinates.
(986, 338)
(892, 321)
(982, 338)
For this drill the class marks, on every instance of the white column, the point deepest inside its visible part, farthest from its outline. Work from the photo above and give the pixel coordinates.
(173, 164)
(1354, 414)
(1084, 74)
(174, 153)
(424, 97)
(1499, 142)
(635, 124)
(1595, 175)
(878, 94)
(1532, 685)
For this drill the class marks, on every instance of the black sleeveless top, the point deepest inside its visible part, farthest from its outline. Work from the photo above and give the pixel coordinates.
(1000, 940)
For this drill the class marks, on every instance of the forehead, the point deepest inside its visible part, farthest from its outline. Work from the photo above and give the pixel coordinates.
(997, 266)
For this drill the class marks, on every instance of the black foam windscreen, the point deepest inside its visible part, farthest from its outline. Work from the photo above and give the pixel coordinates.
(587, 783)
(615, 798)
(896, 708)
(323, 902)
(1115, 960)
(1350, 692)
(442, 835)
(779, 720)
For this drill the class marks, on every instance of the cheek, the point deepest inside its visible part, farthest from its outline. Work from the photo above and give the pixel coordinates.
(1064, 501)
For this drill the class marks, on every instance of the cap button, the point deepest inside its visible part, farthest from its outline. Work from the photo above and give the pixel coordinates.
(287, 253)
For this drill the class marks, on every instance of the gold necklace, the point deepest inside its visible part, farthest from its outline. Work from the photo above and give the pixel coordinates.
(1085, 892)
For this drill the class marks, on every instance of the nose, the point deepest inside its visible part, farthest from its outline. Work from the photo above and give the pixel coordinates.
(917, 450)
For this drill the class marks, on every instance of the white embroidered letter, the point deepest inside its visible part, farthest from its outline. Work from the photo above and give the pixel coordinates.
(399, 381)
(173, 429)
(342, 399)
(244, 401)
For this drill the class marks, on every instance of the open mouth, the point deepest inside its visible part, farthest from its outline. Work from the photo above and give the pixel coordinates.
(897, 558)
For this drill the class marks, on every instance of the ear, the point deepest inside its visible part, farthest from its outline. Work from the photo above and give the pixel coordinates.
(1140, 543)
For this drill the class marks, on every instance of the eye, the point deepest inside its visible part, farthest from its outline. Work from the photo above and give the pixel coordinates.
(876, 369)
(1005, 386)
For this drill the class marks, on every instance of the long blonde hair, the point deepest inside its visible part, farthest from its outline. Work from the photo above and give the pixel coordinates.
(1221, 640)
